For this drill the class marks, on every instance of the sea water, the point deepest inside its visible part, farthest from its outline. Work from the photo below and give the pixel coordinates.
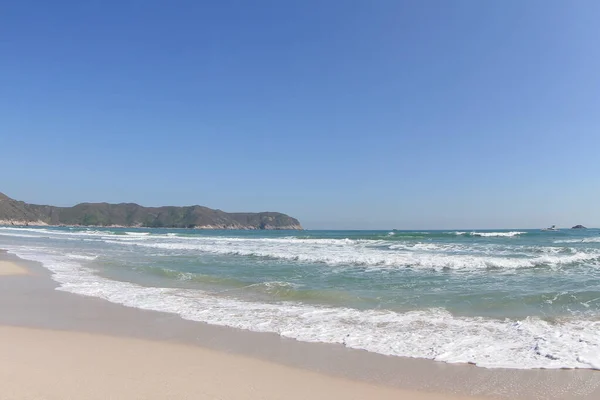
(501, 298)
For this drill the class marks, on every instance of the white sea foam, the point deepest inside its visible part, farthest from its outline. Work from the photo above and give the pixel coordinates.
(54, 232)
(497, 234)
(582, 240)
(371, 254)
(131, 236)
(433, 334)
(12, 234)
(81, 256)
(490, 234)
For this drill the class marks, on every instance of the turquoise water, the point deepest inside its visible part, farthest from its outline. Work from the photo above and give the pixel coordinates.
(498, 298)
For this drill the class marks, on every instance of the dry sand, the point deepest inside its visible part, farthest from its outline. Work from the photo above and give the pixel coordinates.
(11, 268)
(46, 364)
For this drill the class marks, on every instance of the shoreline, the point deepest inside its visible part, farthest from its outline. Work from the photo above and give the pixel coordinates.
(126, 368)
(33, 303)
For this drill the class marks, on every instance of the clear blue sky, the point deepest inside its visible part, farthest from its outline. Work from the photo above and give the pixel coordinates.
(345, 114)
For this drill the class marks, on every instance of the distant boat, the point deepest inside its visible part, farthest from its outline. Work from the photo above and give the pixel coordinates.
(552, 228)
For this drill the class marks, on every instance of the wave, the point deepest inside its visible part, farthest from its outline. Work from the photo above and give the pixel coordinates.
(189, 276)
(373, 256)
(581, 240)
(81, 256)
(19, 235)
(50, 231)
(432, 333)
(192, 235)
(293, 292)
(491, 234)
(280, 290)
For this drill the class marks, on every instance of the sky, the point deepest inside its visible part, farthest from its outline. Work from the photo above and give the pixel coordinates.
(344, 114)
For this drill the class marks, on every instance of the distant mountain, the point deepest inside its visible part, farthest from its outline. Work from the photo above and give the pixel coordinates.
(13, 212)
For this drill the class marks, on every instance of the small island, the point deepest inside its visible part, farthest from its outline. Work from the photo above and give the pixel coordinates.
(579, 227)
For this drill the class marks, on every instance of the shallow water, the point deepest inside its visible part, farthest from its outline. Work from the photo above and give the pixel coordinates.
(515, 299)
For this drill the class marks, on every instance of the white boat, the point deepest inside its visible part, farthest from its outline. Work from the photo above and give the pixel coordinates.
(552, 228)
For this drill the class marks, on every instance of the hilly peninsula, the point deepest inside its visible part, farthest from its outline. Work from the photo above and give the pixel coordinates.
(13, 212)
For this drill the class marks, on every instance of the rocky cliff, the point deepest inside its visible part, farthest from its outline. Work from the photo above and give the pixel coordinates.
(13, 212)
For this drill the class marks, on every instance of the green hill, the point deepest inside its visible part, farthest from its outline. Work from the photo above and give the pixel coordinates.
(13, 212)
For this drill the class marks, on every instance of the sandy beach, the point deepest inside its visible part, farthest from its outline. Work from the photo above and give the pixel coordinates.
(11, 268)
(57, 345)
(52, 364)
(61, 365)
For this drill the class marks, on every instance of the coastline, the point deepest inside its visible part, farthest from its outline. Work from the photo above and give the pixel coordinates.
(41, 224)
(33, 304)
(19, 213)
(125, 368)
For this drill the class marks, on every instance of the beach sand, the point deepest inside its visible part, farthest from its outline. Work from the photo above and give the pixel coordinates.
(57, 345)
(64, 364)
(47, 364)
(11, 268)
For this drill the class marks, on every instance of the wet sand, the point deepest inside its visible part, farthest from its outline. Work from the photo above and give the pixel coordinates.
(145, 353)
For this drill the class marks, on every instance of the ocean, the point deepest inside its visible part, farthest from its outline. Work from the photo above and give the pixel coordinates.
(494, 298)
